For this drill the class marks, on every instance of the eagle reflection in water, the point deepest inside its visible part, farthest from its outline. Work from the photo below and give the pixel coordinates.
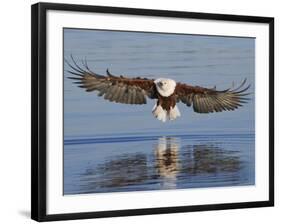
(167, 162)
(197, 165)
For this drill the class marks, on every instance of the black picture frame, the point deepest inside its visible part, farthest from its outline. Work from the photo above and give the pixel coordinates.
(39, 107)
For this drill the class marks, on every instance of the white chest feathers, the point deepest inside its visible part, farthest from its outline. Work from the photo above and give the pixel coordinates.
(165, 87)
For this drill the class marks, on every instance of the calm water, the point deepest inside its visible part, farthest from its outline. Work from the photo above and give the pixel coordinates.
(157, 163)
(111, 147)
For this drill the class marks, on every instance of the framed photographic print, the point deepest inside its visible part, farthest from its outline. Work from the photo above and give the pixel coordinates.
(138, 111)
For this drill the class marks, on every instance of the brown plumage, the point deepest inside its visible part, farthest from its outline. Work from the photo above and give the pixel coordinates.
(166, 102)
(117, 89)
(206, 100)
(125, 90)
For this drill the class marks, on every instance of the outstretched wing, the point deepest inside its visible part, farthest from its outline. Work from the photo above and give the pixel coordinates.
(206, 100)
(117, 89)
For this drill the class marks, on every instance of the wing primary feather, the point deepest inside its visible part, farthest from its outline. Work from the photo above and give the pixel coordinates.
(75, 69)
(210, 107)
(225, 104)
(90, 86)
(215, 104)
(199, 104)
(78, 82)
(77, 74)
(75, 63)
(85, 64)
(87, 67)
(100, 86)
(74, 78)
(243, 90)
(242, 84)
(204, 105)
(195, 105)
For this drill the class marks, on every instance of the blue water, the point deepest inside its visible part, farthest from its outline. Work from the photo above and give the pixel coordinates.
(110, 147)
(158, 163)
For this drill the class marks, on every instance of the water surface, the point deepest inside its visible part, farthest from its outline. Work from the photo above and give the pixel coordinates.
(158, 163)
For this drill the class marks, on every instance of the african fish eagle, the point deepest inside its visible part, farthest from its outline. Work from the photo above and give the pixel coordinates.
(166, 91)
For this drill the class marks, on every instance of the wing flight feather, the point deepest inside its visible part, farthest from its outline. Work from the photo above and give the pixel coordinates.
(117, 89)
(205, 100)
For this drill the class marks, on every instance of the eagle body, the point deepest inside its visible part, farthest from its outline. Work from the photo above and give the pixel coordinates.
(165, 107)
(166, 92)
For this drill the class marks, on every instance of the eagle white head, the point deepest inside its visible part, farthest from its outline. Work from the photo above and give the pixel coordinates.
(165, 87)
